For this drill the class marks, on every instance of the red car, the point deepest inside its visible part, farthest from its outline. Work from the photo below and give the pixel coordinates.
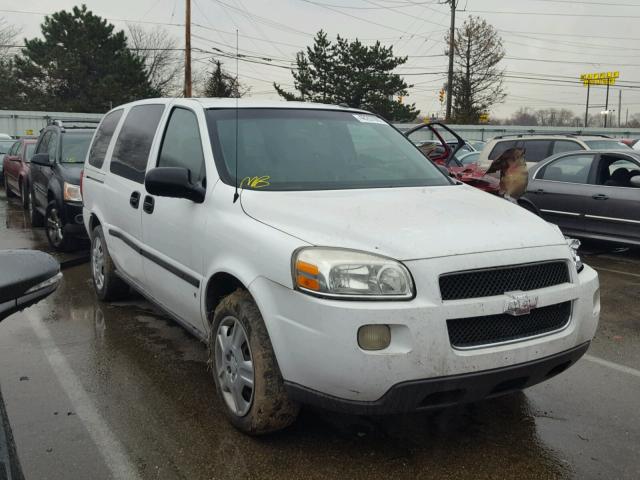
(430, 140)
(16, 169)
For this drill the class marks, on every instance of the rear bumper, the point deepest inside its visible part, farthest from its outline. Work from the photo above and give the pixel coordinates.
(433, 393)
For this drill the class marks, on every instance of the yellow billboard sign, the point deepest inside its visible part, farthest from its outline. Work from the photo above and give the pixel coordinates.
(601, 78)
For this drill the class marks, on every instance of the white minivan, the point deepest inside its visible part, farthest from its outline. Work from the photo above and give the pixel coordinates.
(325, 261)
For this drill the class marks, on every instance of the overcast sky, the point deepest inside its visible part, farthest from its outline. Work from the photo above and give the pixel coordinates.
(557, 39)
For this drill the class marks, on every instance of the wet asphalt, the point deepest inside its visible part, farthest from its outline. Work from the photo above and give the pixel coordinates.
(97, 391)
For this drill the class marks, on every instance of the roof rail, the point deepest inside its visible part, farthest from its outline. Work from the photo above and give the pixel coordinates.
(550, 134)
(73, 122)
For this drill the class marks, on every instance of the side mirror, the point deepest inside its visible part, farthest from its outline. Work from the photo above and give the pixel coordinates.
(41, 159)
(635, 181)
(27, 276)
(174, 182)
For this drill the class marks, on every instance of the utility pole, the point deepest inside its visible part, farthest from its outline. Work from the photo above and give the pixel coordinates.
(452, 37)
(187, 50)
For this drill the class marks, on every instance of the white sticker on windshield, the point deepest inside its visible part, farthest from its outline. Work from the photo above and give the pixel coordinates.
(365, 118)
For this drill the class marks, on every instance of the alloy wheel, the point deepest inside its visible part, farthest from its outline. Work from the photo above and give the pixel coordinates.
(54, 227)
(234, 365)
(97, 263)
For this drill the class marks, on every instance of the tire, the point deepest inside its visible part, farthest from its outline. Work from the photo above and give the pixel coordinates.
(108, 285)
(7, 189)
(24, 194)
(54, 227)
(263, 407)
(37, 220)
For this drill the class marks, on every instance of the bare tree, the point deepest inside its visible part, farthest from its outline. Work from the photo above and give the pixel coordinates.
(8, 36)
(524, 116)
(162, 58)
(477, 79)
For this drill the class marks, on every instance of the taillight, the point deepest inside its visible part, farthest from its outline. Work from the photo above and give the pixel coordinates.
(81, 182)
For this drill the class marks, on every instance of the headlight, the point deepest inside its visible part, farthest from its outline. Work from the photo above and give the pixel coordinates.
(574, 245)
(72, 193)
(350, 274)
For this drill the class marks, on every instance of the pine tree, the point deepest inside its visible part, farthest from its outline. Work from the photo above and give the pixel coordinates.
(80, 65)
(223, 85)
(352, 74)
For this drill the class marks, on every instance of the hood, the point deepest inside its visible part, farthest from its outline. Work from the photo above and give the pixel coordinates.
(403, 223)
(475, 176)
(70, 172)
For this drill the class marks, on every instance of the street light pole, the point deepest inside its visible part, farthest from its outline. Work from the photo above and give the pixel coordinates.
(586, 112)
(606, 107)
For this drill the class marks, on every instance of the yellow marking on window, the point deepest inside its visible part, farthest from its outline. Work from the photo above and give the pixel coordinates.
(255, 182)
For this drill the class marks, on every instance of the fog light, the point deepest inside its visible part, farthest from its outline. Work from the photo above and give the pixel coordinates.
(374, 337)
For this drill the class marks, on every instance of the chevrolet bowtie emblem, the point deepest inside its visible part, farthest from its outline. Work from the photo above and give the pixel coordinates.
(519, 303)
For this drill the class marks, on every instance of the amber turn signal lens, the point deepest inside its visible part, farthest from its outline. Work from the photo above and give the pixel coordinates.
(308, 283)
(307, 268)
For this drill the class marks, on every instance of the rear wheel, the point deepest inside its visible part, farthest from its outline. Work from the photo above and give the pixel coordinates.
(7, 190)
(37, 220)
(24, 194)
(245, 370)
(54, 225)
(103, 272)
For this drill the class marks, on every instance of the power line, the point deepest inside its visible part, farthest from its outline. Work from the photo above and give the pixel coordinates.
(318, 4)
(550, 14)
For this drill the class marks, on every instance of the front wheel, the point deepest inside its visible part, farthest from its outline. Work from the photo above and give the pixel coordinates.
(55, 229)
(245, 370)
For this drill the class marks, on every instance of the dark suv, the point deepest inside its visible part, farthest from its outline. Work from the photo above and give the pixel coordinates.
(55, 200)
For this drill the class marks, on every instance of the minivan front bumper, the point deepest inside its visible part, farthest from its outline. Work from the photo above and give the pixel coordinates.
(442, 392)
(315, 339)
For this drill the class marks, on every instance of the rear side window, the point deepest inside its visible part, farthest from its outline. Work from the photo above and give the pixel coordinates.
(571, 169)
(181, 145)
(103, 138)
(500, 148)
(31, 147)
(560, 146)
(536, 150)
(43, 146)
(132, 148)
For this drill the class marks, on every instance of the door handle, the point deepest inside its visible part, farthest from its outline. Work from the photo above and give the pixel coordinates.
(148, 204)
(600, 196)
(134, 200)
(539, 191)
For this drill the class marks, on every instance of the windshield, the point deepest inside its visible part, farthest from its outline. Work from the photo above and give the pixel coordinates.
(5, 145)
(31, 147)
(304, 149)
(606, 145)
(75, 146)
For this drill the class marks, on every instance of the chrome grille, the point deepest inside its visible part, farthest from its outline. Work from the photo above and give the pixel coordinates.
(488, 282)
(490, 329)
